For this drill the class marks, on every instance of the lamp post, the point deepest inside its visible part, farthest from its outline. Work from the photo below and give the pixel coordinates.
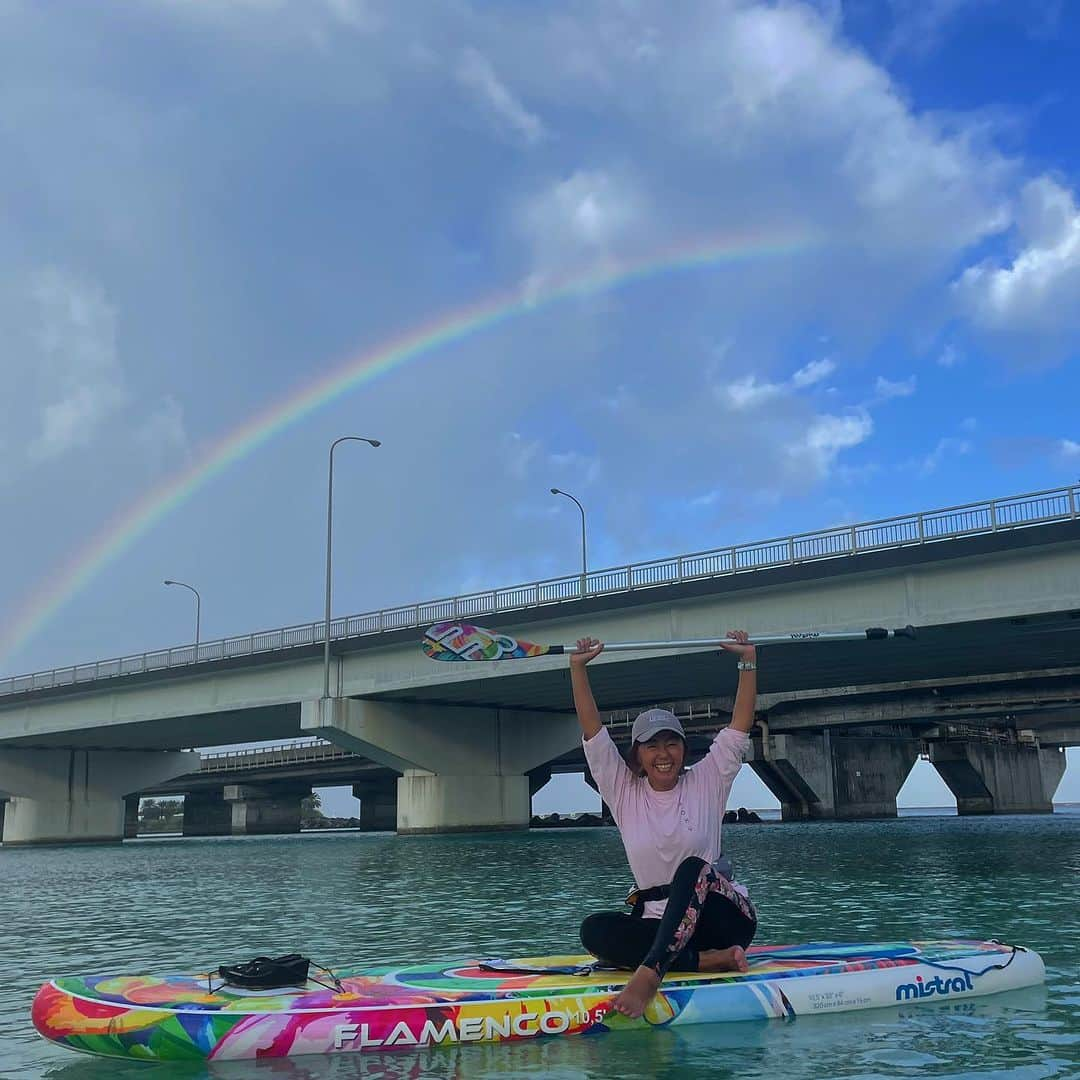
(584, 557)
(329, 550)
(198, 608)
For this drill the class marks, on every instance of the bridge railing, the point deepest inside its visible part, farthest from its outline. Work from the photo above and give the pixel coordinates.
(259, 757)
(931, 526)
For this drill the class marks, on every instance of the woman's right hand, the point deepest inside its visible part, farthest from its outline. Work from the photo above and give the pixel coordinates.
(588, 648)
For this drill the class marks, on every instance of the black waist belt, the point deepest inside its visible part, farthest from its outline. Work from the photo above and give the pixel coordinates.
(638, 898)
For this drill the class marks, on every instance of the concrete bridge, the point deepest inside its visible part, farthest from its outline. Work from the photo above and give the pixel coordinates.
(994, 588)
(258, 790)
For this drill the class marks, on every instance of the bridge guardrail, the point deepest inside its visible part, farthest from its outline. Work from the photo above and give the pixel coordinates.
(258, 757)
(931, 526)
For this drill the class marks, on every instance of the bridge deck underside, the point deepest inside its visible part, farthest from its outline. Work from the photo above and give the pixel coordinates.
(271, 723)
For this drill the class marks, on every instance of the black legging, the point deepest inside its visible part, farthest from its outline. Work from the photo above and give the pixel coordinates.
(703, 912)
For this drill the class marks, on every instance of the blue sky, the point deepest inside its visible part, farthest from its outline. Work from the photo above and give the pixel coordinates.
(206, 205)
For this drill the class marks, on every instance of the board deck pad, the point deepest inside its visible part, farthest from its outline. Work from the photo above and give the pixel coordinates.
(194, 1017)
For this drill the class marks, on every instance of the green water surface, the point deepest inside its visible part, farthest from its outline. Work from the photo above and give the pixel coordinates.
(350, 898)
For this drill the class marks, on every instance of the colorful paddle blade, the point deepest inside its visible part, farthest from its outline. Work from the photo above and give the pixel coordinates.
(460, 641)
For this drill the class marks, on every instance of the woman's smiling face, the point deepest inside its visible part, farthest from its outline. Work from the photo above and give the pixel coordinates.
(661, 759)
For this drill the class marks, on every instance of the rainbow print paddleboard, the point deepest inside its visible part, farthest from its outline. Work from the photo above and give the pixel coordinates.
(183, 1017)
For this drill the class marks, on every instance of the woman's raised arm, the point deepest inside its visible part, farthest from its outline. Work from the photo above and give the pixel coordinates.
(587, 713)
(742, 714)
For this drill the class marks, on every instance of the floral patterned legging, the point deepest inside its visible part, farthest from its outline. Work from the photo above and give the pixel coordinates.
(703, 912)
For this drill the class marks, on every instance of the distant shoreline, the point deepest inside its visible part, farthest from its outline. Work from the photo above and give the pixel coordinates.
(768, 815)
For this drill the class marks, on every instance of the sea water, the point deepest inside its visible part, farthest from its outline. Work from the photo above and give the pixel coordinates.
(352, 898)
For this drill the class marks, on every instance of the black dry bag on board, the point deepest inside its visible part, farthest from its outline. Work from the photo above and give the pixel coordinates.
(265, 973)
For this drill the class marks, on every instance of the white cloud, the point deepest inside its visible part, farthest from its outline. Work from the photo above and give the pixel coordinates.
(747, 393)
(585, 467)
(921, 26)
(357, 14)
(518, 454)
(949, 357)
(945, 447)
(476, 73)
(75, 363)
(1038, 292)
(884, 389)
(827, 436)
(1068, 448)
(813, 372)
(591, 213)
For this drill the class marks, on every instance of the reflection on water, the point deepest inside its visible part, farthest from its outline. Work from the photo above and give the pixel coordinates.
(353, 898)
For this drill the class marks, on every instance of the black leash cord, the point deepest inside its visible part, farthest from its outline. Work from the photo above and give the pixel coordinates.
(967, 971)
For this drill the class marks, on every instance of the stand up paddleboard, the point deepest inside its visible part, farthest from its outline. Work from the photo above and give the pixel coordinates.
(194, 1017)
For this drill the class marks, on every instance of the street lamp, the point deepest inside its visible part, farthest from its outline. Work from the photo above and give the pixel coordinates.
(584, 558)
(329, 549)
(198, 607)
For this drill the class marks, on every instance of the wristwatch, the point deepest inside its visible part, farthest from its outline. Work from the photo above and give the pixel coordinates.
(747, 665)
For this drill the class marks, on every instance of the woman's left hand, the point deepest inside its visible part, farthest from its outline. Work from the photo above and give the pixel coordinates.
(740, 645)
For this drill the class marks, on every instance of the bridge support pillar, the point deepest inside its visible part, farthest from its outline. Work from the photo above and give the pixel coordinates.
(463, 769)
(131, 816)
(605, 810)
(378, 804)
(823, 775)
(430, 803)
(538, 778)
(996, 778)
(265, 809)
(78, 796)
(206, 813)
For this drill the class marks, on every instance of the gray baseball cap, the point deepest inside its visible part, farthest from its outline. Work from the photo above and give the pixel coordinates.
(652, 722)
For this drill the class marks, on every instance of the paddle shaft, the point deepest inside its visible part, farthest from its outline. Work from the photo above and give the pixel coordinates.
(872, 634)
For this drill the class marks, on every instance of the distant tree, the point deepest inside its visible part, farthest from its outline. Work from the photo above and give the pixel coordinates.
(161, 815)
(311, 810)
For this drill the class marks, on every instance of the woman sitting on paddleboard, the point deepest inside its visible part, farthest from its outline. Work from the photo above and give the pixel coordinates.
(669, 819)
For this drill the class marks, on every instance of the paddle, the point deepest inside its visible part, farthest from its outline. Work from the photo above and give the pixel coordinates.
(463, 641)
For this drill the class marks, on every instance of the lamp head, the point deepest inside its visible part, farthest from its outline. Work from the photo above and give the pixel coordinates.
(555, 491)
(168, 582)
(374, 442)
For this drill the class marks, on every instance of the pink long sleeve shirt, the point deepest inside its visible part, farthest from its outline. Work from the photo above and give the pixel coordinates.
(661, 828)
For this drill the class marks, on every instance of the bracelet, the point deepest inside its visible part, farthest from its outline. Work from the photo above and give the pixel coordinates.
(747, 665)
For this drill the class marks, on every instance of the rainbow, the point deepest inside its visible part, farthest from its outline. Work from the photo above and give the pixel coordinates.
(129, 525)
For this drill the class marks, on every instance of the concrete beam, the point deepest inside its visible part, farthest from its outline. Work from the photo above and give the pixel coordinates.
(78, 796)
(938, 705)
(447, 740)
(999, 778)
